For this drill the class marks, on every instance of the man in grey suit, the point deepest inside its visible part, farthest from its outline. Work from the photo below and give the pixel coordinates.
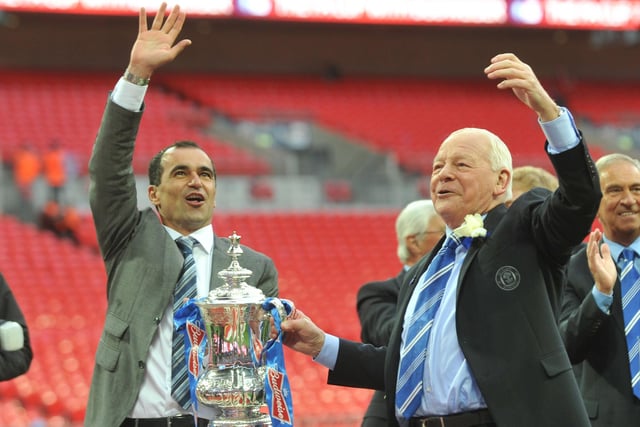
(131, 383)
(494, 356)
(592, 322)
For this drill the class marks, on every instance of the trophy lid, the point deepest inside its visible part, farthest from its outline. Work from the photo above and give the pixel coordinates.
(235, 289)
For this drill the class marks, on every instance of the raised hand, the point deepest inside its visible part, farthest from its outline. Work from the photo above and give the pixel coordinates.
(520, 78)
(156, 46)
(601, 265)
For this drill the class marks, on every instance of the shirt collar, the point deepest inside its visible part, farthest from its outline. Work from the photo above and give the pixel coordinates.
(617, 248)
(204, 236)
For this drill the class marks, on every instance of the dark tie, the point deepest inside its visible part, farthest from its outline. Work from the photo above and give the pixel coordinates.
(185, 288)
(413, 351)
(631, 312)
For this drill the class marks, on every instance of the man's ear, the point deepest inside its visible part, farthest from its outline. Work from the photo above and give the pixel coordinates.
(152, 193)
(504, 177)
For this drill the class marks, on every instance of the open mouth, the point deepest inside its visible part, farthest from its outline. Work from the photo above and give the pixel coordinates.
(195, 199)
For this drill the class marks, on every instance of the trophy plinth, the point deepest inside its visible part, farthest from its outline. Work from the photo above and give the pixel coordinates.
(237, 329)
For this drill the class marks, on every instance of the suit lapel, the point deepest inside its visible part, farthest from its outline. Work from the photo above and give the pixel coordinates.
(616, 305)
(492, 218)
(220, 261)
(171, 265)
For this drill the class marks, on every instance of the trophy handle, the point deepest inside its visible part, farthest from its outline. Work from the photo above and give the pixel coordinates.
(283, 308)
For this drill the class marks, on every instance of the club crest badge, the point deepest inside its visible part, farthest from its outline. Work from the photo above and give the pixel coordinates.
(507, 278)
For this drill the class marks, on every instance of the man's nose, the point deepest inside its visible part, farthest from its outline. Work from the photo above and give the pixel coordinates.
(445, 172)
(195, 179)
(629, 198)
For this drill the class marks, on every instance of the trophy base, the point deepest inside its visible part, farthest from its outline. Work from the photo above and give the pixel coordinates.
(241, 417)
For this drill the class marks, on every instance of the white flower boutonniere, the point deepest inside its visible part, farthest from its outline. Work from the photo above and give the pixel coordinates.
(473, 226)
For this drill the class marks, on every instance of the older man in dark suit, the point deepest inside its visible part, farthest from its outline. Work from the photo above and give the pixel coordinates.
(132, 377)
(593, 319)
(494, 356)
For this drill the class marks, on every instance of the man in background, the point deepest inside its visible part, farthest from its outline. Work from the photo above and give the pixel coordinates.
(598, 306)
(15, 346)
(418, 229)
(526, 178)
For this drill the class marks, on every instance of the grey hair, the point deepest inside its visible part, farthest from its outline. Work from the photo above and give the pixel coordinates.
(609, 159)
(413, 219)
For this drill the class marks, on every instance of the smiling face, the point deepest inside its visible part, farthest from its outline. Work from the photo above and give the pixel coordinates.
(619, 211)
(467, 177)
(185, 195)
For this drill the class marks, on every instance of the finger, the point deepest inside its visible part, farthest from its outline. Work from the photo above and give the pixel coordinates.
(504, 56)
(157, 20)
(508, 70)
(142, 20)
(169, 24)
(178, 22)
(605, 251)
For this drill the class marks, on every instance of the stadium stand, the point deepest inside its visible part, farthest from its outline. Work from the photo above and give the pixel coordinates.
(407, 117)
(423, 82)
(322, 258)
(38, 107)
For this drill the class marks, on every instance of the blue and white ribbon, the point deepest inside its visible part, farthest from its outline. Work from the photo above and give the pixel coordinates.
(277, 389)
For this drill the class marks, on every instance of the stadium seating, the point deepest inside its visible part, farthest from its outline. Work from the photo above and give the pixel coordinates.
(407, 117)
(38, 107)
(322, 258)
(613, 103)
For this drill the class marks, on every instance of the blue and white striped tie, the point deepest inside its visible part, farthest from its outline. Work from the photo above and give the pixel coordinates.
(413, 351)
(185, 289)
(630, 281)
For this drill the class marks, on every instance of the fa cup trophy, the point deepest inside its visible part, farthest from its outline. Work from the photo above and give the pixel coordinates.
(237, 324)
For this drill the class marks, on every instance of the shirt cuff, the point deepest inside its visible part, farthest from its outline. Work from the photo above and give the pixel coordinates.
(128, 95)
(603, 301)
(329, 353)
(561, 133)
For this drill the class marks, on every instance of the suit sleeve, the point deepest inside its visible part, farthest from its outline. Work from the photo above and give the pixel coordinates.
(566, 219)
(359, 365)
(376, 305)
(112, 187)
(13, 363)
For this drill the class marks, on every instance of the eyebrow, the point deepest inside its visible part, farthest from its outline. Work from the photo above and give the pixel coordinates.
(199, 168)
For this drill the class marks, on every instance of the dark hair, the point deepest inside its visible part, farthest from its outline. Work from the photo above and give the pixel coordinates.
(155, 166)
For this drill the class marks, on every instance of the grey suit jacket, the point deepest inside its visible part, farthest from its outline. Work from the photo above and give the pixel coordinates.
(596, 341)
(143, 264)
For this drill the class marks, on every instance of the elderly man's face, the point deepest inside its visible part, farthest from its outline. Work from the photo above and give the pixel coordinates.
(463, 181)
(619, 211)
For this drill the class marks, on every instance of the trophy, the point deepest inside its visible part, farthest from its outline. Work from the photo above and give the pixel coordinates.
(237, 328)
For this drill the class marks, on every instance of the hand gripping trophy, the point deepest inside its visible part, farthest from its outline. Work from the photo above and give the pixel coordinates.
(242, 367)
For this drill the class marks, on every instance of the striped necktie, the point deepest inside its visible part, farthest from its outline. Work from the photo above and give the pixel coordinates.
(185, 289)
(629, 279)
(413, 351)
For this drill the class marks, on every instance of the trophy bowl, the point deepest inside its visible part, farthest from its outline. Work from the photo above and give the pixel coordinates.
(237, 329)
